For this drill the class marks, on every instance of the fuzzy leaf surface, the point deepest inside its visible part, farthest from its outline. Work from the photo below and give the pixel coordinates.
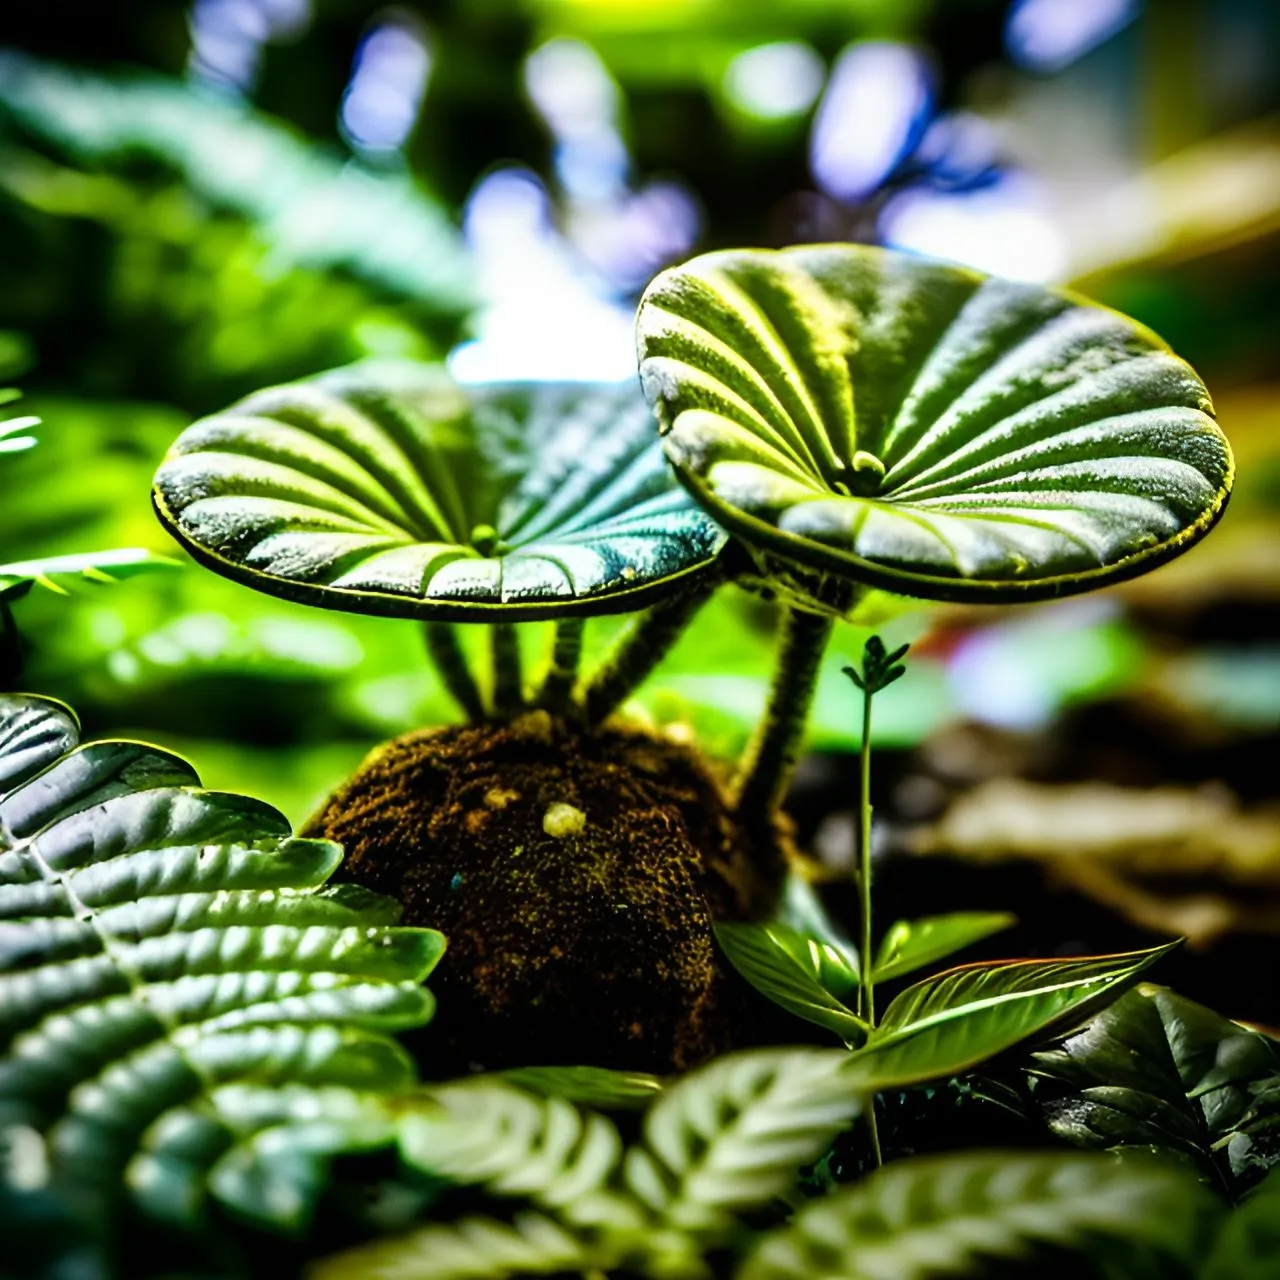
(955, 1020)
(1158, 1070)
(920, 1219)
(184, 1006)
(388, 489)
(857, 415)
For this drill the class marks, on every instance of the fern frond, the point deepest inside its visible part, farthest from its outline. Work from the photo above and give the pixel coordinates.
(514, 1143)
(734, 1134)
(472, 1249)
(945, 1216)
(183, 1004)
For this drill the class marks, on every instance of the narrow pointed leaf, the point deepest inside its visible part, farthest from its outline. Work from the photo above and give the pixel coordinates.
(860, 416)
(97, 567)
(912, 944)
(797, 972)
(390, 490)
(942, 1217)
(588, 1086)
(954, 1021)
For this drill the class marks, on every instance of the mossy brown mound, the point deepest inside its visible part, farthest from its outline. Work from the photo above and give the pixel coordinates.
(576, 877)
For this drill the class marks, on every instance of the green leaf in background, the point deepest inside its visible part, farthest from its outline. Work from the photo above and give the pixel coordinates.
(955, 1020)
(1249, 1244)
(909, 945)
(1158, 1070)
(313, 209)
(879, 419)
(388, 489)
(796, 971)
(184, 1007)
(95, 567)
(588, 1086)
(920, 1219)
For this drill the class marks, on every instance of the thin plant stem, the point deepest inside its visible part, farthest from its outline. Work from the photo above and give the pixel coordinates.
(566, 654)
(508, 682)
(771, 755)
(866, 965)
(867, 987)
(448, 659)
(644, 644)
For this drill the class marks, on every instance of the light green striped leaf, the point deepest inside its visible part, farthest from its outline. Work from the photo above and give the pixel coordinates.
(921, 1219)
(859, 416)
(951, 1022)
(184, 1006)
(486, 1132)
(732, 1135)
(472, 1249)
(389, 489)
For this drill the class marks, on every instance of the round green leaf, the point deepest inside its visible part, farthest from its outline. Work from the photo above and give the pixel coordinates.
(860, 416)
(391, 490)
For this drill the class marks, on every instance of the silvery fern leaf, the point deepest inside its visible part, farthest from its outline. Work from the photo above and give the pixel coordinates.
(185, 1008)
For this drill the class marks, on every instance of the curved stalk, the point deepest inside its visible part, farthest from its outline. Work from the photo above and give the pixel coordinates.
(508, 681)
(644, 644)
(566, 654)
(774, 748)
(447, 657)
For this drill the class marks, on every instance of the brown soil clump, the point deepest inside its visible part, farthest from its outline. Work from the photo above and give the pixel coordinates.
(575, 876)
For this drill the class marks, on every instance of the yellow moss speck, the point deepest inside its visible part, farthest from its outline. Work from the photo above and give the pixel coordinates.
(562, 820)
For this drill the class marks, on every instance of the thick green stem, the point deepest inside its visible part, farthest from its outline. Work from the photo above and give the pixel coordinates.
(866, 962)
(508, 682)
(645, 643)
(772, 753)
(566, 654)
(446, 654)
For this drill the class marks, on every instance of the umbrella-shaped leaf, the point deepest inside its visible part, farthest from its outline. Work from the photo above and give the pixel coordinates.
(391, 490)
(867, 417)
